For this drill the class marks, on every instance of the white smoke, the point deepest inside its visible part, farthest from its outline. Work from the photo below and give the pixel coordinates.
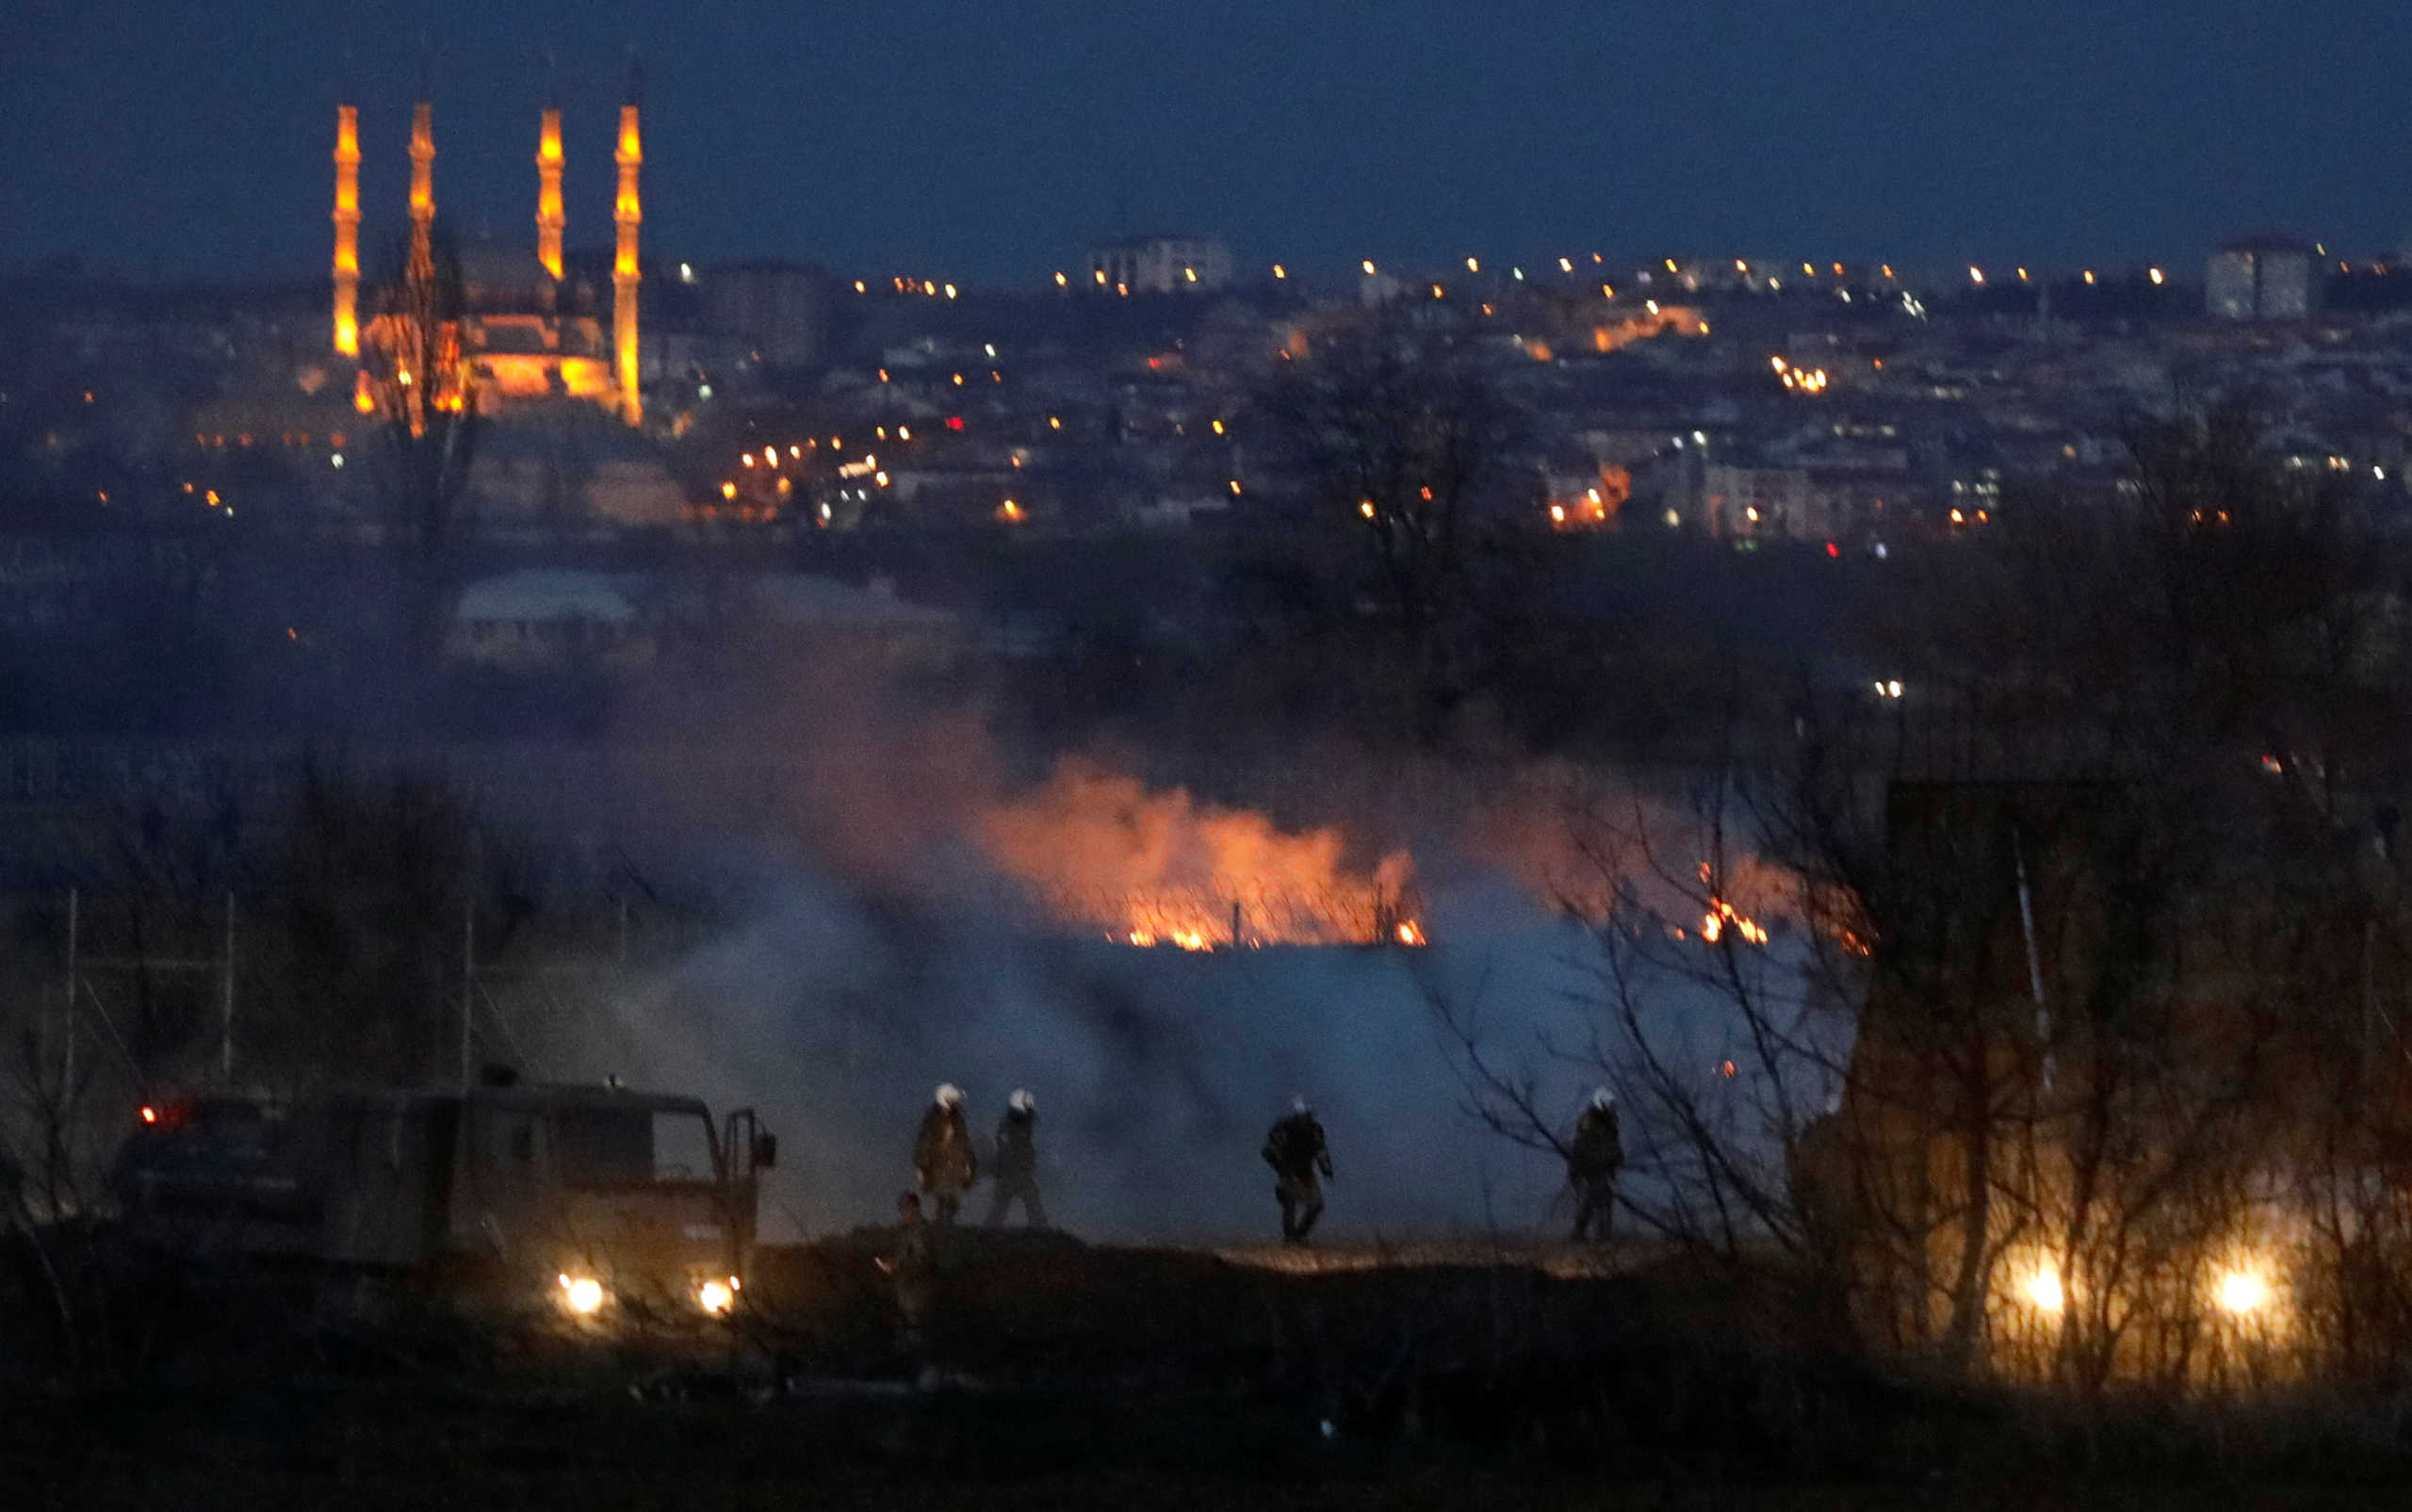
(1157, 1072)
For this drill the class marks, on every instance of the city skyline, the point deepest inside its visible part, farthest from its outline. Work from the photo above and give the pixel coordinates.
(989, 147)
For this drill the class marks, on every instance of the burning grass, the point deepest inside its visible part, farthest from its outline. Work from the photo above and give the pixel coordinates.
(1099, 851)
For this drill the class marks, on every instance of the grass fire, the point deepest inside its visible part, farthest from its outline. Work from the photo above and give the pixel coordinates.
(1097, 849)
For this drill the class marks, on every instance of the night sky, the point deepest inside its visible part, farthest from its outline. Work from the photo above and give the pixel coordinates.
(987, 139)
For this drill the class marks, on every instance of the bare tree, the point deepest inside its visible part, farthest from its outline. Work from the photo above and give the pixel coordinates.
(421, 386)
(1404, 444)
(2038, 1072)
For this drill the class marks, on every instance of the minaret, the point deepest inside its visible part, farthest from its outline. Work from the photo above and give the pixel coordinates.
(423, 184)
(626, 215)
(548, 192)
(347, 218)
(415, 357)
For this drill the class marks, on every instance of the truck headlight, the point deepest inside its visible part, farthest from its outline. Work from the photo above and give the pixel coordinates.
(582, 1295)
(716, 1296)
(2243, 1292)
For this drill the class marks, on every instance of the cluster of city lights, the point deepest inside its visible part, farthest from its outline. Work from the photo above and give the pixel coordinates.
(1832, 274)
(1591, 512)
(926, 287)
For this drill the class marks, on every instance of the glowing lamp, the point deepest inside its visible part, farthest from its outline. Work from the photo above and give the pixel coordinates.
(583, 1296)
(2242, 1292)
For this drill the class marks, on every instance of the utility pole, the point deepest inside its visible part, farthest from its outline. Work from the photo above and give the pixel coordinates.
(2034, 960)
(226, 1001)
(67, 1057)
(468, 978)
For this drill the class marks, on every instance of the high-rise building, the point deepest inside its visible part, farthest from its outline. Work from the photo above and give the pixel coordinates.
(781, 310)
(2263, 278)
(1160, 264)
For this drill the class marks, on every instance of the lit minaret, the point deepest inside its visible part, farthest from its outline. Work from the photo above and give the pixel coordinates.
(347, 218)
(548, 192)
(627, 213)
(423, 184)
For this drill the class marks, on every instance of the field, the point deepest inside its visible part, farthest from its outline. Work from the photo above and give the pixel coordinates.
(1062, 1375)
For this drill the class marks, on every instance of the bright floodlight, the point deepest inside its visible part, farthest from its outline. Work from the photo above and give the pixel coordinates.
(715, 1297)
(2044, 1289)
(586, 1294)
(2241, 1292)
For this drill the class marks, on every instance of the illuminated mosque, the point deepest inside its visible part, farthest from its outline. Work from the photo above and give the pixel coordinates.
(524, 330)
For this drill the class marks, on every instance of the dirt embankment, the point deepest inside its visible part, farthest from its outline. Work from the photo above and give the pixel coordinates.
(1060, 1375)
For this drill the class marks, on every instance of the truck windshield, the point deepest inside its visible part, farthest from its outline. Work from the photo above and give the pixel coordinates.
(623, 1147)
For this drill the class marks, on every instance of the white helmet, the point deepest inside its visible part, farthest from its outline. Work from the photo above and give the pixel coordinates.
(1604, 1099)
(949, 1095)
(1021, 1102)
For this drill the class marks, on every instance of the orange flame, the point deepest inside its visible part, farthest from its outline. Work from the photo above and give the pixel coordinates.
(1155, 868)
(1712, 924)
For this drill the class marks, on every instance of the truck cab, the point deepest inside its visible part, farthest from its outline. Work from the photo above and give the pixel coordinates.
(592, 1196)
(617, 1197)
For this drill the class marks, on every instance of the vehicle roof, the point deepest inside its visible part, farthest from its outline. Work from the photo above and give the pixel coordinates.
(531, 1096)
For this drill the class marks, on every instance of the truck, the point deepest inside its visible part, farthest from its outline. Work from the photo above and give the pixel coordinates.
(595, 1199)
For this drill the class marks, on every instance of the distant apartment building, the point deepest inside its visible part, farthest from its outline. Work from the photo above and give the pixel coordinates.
(2263, 278)
(1761, 503)
(779, 310)
(1803, 498)
(1161, 265)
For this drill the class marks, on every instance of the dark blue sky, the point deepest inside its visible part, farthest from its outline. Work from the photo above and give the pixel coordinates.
(985, 140)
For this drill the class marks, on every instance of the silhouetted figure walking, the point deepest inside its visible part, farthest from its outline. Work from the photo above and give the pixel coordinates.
(1016, 1167)
(1593, 1157)
(1297, 1154)
(943, 1161)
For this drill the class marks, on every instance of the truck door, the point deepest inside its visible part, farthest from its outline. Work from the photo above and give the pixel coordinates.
(509, 1157)
(746, 1151)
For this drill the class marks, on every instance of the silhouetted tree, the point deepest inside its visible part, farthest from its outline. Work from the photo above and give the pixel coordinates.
(422, 387)
(2090, 951)
(1403, 443)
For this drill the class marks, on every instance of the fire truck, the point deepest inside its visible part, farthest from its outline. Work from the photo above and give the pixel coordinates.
(598, 1199)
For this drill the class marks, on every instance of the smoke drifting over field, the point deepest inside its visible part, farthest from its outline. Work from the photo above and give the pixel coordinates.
(1156, 1071)
(990, 944)
(924, 908)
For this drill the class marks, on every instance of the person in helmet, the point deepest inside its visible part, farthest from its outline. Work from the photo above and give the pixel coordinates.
(943, 1161)
(1593, 1157)
(1296, 1151)
(1016, 1165)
